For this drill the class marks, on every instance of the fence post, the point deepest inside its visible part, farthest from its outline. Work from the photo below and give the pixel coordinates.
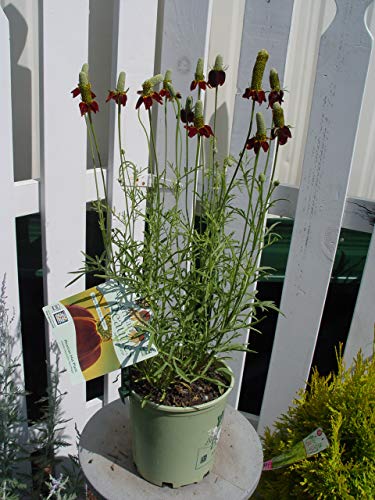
(133, 46)
(63, 172)
(340, 76)
(8, 262)
(266, 26)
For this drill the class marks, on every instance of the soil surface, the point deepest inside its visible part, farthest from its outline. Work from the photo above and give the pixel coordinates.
(181, 393)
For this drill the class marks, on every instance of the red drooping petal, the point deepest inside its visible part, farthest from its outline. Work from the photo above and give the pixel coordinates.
(193, 85)
(216, 78)
(265, 146)
(192, 131)
(247, 93)
(123, 99)
(206, 130)
(202, 84)
(83, 108)
(94, 106)
(75, 92)
(157, 97)
(139, 102)
(275, 96)
(110, 96)
(147, 102)
(283, 134)
(250, 143)
(256, 147)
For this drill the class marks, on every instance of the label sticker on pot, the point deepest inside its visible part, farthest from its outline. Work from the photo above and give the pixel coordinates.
(206, 453)
(100, 330)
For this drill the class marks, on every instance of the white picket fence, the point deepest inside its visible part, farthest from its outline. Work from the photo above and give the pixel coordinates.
(178, 33)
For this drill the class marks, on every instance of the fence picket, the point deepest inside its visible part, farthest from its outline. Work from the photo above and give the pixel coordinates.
(8, 261)
(129, 22)
(186, 28)
(341, 71)
(63, 171)
(266, 26)
(361, 333)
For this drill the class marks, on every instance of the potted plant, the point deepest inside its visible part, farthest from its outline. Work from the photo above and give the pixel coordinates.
(192, 269)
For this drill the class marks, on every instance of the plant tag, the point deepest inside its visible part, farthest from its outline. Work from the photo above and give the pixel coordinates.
(100, 330)
(309, 446)
(315, 442)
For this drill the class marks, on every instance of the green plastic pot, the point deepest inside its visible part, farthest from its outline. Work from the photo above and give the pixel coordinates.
(174, 445)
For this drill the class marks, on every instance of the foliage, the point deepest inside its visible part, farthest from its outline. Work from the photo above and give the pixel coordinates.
(12, 420)
(343, 404)
(204, 221)
(46, 436)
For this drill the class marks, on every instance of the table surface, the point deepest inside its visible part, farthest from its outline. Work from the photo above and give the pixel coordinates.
(106, 460)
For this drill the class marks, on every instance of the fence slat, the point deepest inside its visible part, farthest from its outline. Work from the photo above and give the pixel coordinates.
(129, 21)
(63, 170)
(341, 72)
(8, 261)
(266, 26)
(184, 38)
(361, 333)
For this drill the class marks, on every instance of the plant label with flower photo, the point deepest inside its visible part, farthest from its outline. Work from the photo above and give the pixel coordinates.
(100, 330)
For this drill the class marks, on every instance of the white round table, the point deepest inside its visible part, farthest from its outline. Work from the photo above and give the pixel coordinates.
(106, 460)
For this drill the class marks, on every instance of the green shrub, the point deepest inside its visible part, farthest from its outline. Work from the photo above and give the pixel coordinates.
(343, 405)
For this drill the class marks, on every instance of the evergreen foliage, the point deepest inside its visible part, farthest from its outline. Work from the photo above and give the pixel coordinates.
(343, 405)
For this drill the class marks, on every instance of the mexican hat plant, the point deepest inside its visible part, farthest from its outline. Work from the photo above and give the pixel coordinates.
(192, 269)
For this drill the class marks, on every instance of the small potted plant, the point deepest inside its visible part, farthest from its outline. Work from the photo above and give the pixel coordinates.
(193, 271)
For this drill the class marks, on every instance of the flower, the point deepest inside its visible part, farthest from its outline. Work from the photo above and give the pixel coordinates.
(276, 94)
(216, 76)
(187, 113)
(199, 77)
(148, 94)
(199, 127)
(75, 92)
(255, 90)
(280, 130)
(168, 91)
(260, 140)
(84, 88)
(119, 94)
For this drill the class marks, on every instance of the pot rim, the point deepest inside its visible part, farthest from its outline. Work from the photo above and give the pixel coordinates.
(186, 409)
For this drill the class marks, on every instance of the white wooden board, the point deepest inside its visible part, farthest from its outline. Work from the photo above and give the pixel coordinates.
(63, 170)
(8, 260)
(266, 26)
(341, 72)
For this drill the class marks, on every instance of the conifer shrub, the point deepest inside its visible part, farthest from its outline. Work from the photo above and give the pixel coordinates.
(343, 405)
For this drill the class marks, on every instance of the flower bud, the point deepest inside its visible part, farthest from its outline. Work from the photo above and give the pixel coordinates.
(258, 71)
(121, 82)
(83, 78)
(189, 104)
(274, 80)
(278, 115)
(155, 80)
(85, 87)
(262, 178)
(198, 114)
(199, 70)
(168, 86)
(276, 183)
(218, 66)
(261, 126)
(168, 76)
